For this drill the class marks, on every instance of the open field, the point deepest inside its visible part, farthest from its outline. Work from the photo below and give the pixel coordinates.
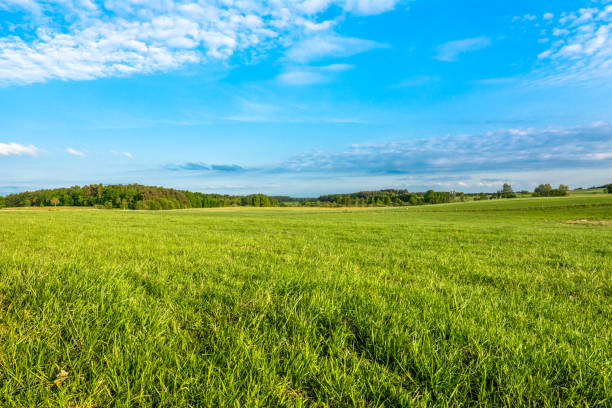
(495, 303)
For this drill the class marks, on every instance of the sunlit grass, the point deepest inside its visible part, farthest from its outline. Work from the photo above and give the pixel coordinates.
(480, 303)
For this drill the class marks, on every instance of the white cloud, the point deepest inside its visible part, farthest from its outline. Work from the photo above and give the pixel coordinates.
(15, 149)
(126, 154)
(27, 5)
(76, 40)
(368, 7)
(331, 45)
(314, 6)
(360, 7)
(580, 47)
(548, 16)
(75, 152)
(451, 50)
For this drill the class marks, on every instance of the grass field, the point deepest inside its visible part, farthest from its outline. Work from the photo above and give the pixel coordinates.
(498, 303)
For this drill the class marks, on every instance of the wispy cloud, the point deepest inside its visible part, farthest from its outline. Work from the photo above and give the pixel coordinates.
(83, 40)
(15, 149)
(202, 167)
(509, 150)
(368, 7)
(329, 45)
(126, 154)
(434, 159)
(309, 75)
(361, 7)
(580, 47)
(75, 152)
(226, 167)
(451, 50)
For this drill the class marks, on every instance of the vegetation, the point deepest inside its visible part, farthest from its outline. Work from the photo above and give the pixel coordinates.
(506, 191)
(545, 190)
(482, 303)
(133, 196)
(138, 197)
(393, 197)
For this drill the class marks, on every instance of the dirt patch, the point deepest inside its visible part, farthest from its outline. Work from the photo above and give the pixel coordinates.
(590, 222)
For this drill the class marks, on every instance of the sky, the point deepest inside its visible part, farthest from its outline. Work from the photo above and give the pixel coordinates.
(305, 97)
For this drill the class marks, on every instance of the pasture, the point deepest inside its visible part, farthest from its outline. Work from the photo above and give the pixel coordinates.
(496, 303)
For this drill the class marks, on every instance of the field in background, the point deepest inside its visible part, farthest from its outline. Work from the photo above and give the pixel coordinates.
(495, 303)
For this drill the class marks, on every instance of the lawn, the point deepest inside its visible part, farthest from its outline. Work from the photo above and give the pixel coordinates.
(496, 303)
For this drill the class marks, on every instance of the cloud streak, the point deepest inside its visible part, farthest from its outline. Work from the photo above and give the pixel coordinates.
(203, 167)
(330, 45)
(506, 151)
(309, 75)
(126, 154)
(510, 150)
(15, 149)
(450, 51)
(74, 152)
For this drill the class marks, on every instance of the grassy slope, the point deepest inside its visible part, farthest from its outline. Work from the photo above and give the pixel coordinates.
(497, 303)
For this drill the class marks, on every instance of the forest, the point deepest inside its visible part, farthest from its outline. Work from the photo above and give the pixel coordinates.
(131, 196)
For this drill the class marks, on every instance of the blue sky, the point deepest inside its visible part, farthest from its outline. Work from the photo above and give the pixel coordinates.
(305, 97)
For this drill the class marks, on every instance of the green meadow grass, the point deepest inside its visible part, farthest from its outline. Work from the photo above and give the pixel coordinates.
(496, 303)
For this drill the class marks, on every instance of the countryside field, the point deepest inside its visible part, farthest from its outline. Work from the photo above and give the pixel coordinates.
(496, 303)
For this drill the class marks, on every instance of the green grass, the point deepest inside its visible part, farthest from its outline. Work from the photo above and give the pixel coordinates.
(589, 191)
(495, 303)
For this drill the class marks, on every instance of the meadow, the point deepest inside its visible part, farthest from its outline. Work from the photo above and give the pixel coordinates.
(495, 303)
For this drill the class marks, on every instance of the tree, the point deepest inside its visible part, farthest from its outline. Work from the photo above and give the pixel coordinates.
(2, 202)
(54, 201)
(430, 196)
(543, 190)
(609, 188)
(67, 199)
(507, 191)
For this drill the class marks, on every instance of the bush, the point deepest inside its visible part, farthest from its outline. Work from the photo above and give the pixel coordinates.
(545, 190)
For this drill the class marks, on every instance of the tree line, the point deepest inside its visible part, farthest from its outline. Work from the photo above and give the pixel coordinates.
(389, 197)
(139, 197)
(131, 196)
